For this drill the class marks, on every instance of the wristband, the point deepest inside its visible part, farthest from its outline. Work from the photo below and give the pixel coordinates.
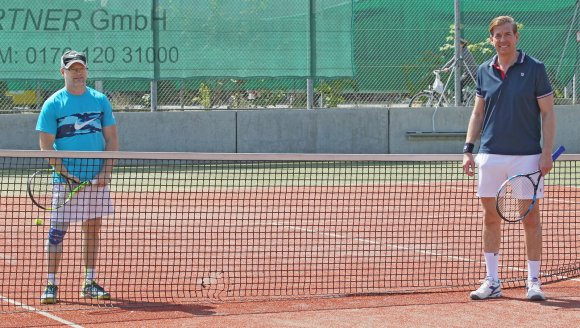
(468, 147)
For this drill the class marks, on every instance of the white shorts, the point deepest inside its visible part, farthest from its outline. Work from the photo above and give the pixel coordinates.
(90, 203)
(494, 169)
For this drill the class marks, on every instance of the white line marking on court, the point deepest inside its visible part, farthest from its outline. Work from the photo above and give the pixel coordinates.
(460, 188)
(373, 242)
(8, 259)
(407, 248)
(368, 241)
(559, 201)
(43, 313)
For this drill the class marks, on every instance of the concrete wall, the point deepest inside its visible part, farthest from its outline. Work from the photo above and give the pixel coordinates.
(428, 130)
(17, 131)
(192, 131)
(568, 131)
(348, 131)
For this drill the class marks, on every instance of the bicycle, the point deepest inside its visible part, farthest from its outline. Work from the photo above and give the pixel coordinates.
(438, 94)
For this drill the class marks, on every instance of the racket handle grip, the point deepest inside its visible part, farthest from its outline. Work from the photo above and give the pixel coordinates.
(558, 152)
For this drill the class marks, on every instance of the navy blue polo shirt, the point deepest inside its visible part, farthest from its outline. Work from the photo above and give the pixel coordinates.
(512, 122)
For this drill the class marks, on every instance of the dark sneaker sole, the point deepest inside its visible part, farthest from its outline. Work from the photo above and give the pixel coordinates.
(477, 298)
(537, 298)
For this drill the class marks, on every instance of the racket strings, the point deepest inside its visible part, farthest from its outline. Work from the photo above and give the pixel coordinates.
(47, 191)
(516, 197)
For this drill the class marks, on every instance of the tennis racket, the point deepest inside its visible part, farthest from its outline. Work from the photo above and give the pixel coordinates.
(517, 195)
(50, 190)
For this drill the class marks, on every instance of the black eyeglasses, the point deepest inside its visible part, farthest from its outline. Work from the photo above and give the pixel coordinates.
(77, 70)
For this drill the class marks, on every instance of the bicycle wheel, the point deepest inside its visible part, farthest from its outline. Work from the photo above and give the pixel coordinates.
(422, 99)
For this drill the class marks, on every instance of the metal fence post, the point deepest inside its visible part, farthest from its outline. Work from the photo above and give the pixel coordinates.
(153, 99)
(458, 53)
(311, 55)
(309, 93)
(99, 86)
(155, 6)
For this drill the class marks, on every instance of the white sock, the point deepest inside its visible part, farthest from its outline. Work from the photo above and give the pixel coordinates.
(89, 275)
(52, 279)
(491, 265)
(533, 270)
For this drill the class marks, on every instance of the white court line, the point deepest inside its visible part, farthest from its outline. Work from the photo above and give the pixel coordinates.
(545, 200)
(392, 246)
(7, 258)
(559, 201)
(407, 248)
(368, 241)
(43, 313)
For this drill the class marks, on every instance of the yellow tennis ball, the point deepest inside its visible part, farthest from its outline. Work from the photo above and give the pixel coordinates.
(39, 221)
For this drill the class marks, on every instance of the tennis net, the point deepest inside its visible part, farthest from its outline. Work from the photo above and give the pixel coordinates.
(190, 227)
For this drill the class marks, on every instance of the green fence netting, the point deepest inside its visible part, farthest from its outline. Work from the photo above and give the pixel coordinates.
(178, 39)
(259, 53)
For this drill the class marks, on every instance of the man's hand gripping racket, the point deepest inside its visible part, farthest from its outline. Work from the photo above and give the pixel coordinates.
(50, 190)
(517, 195)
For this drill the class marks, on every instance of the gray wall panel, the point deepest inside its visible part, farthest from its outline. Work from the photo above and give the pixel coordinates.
(17, 131)
(194, 131)
(349, 131)
(428, 131)
(314, 131)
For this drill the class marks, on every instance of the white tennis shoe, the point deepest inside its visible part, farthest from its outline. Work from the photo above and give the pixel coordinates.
(534, 290)
(489, 289)
(49, 296)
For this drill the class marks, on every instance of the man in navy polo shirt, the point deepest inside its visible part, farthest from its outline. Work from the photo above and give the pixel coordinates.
(513, 110)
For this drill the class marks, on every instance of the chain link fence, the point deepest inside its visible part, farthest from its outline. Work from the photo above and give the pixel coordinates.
(237, 54)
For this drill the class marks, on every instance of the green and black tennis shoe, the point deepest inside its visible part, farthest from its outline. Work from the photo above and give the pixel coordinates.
(94, 291)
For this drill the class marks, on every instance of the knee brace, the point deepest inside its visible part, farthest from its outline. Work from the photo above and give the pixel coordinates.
(55, 238)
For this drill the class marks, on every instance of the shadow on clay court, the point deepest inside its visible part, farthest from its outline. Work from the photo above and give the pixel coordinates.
(556, 302)
(127, 305)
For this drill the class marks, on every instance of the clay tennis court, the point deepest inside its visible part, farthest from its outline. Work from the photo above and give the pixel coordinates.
(296, 244)
(450, 309)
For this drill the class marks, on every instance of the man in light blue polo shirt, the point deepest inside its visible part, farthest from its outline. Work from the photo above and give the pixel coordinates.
(513, 111)
(78, 118)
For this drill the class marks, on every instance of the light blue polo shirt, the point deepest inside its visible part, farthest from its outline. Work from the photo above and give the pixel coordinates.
(77, 123)
(512, 121)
